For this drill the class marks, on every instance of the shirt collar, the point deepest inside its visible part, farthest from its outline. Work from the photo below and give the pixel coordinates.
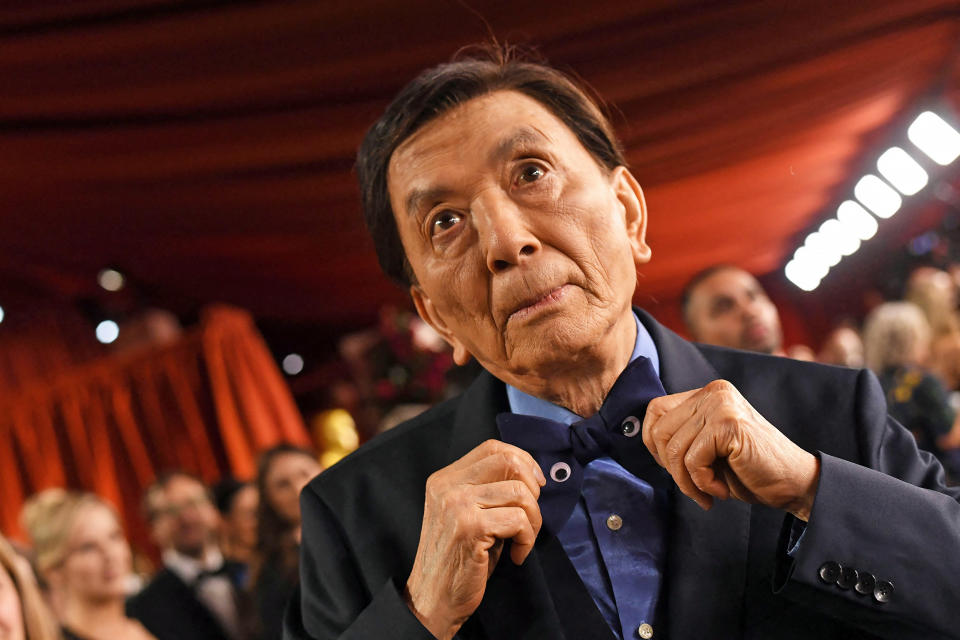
(188, 568)
(526, 404)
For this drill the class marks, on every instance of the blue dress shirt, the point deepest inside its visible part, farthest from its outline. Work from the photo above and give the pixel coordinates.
(616, 536)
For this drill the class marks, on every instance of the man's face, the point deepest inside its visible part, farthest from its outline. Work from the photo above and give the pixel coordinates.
(524, 249)
(730, 309)
(185, 518)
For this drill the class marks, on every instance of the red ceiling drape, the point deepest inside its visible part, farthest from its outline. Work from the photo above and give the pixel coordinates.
(206, 147)
(207, 403)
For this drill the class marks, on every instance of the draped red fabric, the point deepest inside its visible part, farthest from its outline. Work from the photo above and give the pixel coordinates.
(207, 147)
(206, 403)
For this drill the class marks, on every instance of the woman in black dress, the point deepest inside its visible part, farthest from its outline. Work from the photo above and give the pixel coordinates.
(282, 472)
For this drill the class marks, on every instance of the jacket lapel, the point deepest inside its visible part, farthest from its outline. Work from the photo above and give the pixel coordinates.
(707, 548)
(519, 602)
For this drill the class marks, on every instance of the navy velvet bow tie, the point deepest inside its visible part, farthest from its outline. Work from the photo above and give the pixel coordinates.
(563, 451)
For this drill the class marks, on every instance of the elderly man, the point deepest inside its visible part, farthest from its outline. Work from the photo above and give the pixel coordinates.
(603, 478)
(726, 306)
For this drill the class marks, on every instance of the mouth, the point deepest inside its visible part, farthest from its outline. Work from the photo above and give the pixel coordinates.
(757, 331)
(537, 303)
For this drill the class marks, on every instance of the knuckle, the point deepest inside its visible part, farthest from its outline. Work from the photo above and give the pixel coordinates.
(491, 445)
(660, 440)
(433, 485)
(720, 386)
(675, 451)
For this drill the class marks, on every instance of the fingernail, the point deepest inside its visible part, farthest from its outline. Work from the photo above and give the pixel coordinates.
(539, 475)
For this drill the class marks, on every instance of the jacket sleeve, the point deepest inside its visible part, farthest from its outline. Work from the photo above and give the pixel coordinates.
(881, 550)
(333, 601)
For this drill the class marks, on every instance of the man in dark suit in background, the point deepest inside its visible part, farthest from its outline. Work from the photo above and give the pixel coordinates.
(196, 594)
(603, 478)
(725, 306)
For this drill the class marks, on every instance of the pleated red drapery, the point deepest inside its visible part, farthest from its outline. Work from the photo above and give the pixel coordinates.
(206, 403)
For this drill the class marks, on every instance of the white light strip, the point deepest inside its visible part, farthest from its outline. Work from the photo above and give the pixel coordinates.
(825, 251)
(877, 196)
(857, 219)
(836, 238)
(798, 275)
(840, 237)
(935, 137)
(902, 171)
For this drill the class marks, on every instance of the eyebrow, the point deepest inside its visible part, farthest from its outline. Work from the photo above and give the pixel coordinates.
(520, 138)
(418, 196)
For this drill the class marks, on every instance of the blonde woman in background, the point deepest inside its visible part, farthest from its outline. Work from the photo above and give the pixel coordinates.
(82, 554)
(896, 339)
(23, 614)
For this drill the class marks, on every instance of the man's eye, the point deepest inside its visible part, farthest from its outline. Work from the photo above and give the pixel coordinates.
(531, 173)
(443, 221)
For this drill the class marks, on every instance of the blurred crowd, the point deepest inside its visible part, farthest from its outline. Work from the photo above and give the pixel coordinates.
(228, 559)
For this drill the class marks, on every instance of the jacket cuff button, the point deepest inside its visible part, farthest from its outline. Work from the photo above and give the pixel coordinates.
(848, 578)
(883, 591)
(866, 583)
(830, 571)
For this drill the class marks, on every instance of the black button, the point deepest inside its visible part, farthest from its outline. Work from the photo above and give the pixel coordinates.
(848, 578)
(883, 591)
(865, 583)
(830, 571)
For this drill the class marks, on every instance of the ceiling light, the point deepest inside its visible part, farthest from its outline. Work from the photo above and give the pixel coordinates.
(1, 314)
(107, 331)
(110, 279)
(857, 219)
(798, 274)
(935, 137)
(877, 196)
(811, 263)
(292, 364)
(902, 171)
(825, 249)
(842, 238)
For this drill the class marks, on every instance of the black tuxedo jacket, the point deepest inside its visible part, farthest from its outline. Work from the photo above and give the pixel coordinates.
(881, 507)
(170, 610)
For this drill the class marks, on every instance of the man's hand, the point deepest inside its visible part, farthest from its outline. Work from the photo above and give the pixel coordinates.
(472, 506)
(715, 445)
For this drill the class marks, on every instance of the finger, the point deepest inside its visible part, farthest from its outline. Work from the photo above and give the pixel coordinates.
(509, 493)
(658, 430)
(495, 448)
(674, 454)
(510, 523)
(505, 464)
(704, 457)
(664, 404)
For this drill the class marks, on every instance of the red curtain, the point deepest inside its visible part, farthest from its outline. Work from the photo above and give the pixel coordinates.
(207, 403)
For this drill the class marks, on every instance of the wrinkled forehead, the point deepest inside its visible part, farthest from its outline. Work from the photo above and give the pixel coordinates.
(493, 125)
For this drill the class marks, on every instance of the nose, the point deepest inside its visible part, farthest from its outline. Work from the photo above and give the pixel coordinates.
(505, 231)
(750, 309)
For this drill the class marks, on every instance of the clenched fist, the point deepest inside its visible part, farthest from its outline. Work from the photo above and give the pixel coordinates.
(716, 445)
(472, 506)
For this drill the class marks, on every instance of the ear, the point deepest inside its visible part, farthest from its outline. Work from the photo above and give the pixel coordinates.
(630, 195)
(428, 313)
